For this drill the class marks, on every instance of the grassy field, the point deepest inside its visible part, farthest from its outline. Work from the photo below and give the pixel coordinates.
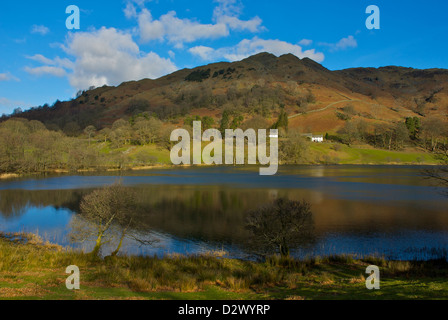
(322, 153)
(161, 155)
(33, 270)
(343, 154)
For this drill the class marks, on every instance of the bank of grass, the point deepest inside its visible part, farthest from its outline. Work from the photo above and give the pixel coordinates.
(160, 155)
(320, 153)
(343, 154)
(31, 269)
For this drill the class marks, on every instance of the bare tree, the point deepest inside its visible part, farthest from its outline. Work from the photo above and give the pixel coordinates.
(280, 226)
(106, 215)
(90, 131)
(294, 149)
(433, 130)
(440, 174)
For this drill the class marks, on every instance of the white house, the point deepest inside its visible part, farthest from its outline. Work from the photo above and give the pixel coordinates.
(314, 138)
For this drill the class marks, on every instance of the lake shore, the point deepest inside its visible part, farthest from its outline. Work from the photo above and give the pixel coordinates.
(32, 269)
(11, 176)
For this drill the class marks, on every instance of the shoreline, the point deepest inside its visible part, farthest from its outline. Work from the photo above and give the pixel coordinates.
(6, 176)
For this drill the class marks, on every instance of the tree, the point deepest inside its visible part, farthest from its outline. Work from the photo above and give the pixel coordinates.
(236, 122)
(72, 129)
(165, 137)
(105, 133)
(362, 128)
(282, 121)
(190, 119)
(413, 124)
(207, 123)
(310, 97)
(257, 122)
(401, 134)
(280, 226)
(440, 174)
(294, 149)
(147, 130)
(90, 131)
(433, 128)
(350, 131)
(107, 214)
(225, 122)
(121, 133)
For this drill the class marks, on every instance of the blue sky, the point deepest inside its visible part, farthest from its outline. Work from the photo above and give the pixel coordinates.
(42, 61)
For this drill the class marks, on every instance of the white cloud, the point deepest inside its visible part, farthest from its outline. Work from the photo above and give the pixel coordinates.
(105, 56)
(228, 12)
(8, 77)
(59, 62)
(130, 11)
(249, 47)
(175, 30)
(53, 67)
(305, 42)
(109, 56)
(40, 58)
(42, 30)
(169, 27)
(205, 53)
(46, 70)
(344, 43)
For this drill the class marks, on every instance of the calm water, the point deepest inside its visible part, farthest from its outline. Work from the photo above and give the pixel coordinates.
(381, 210)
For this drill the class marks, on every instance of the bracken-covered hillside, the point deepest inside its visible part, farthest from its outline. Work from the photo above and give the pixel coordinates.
(315, 98)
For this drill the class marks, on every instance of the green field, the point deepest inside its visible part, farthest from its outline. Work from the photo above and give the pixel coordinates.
(343, 154)
(37, 271)
(319, 153)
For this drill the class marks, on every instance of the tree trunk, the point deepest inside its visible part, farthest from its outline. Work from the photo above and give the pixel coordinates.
(98, 245)
(114, 254)
(284, 251)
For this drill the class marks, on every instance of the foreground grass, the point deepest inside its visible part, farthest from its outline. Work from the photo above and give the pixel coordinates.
(34, 270)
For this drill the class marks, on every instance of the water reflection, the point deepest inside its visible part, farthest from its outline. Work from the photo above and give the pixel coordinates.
(196, 210)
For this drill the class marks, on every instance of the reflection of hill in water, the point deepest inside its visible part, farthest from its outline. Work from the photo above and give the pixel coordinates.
(13, 203)
(215, 213)
(206, 213)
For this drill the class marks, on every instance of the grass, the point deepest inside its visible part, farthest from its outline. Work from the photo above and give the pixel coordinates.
(162, 155)
(31, 269)
(343, 154)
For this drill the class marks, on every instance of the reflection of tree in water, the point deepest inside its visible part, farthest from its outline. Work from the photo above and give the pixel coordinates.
(209, 215)
(13, 203)
(280, 227)
(205, 213)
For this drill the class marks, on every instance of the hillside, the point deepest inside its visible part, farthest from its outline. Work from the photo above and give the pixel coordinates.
(314, 97)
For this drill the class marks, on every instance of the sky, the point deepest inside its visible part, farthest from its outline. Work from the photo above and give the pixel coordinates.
(41, 60)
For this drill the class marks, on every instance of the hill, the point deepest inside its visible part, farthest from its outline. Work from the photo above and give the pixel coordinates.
(316, 99)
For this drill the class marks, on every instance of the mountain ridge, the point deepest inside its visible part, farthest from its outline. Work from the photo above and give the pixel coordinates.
(260, 84)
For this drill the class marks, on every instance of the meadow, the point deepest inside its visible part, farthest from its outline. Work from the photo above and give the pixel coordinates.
(32, 269)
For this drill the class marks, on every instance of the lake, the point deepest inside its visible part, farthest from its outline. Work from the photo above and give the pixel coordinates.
(390, 211)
